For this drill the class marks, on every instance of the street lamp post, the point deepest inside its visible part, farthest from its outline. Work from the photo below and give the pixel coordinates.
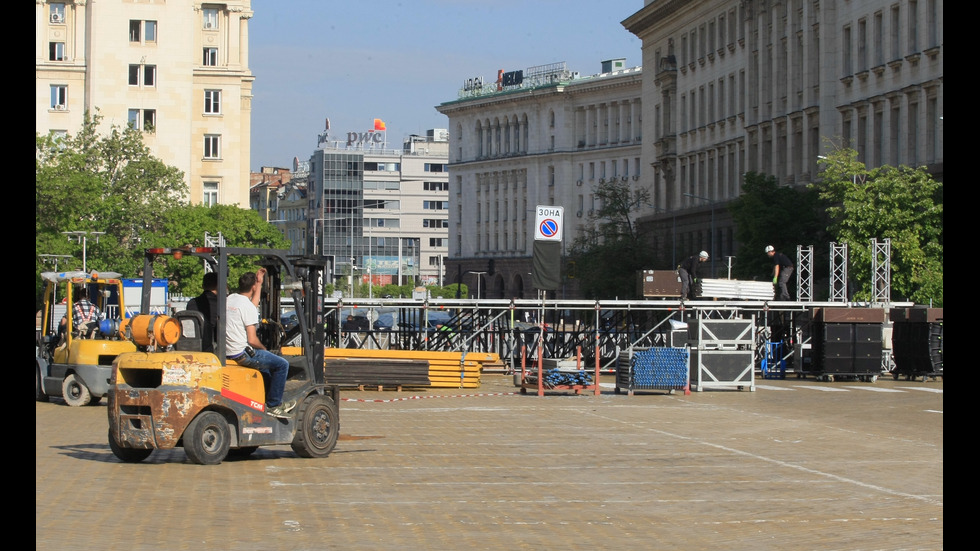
(478, 279)
(55, 258)
(712, 203)
(83, 238)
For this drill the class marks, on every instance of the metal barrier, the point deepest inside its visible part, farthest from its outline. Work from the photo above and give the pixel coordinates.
(554, 328)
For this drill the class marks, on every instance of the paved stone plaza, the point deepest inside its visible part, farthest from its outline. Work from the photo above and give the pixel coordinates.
(798, 464)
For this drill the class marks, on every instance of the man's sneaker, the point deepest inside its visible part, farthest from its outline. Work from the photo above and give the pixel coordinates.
(282, 410)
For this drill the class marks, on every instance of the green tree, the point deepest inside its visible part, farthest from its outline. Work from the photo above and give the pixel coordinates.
(902, 204)
(769, 214)
(610, 248)
(107, 183)
(186, 225)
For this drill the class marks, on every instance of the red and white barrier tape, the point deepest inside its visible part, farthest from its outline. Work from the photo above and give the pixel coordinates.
(422, 397)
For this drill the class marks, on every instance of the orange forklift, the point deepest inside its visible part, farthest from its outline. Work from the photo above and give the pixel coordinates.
(170, 394)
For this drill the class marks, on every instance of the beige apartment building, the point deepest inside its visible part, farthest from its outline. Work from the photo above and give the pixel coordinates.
(175, 69)
(732, 86)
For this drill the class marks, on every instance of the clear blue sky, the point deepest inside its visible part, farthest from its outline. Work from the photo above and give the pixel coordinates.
(355, 61)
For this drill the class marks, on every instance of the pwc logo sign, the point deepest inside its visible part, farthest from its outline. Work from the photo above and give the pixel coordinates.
(371, 137)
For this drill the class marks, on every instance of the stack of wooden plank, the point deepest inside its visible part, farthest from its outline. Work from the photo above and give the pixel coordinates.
(444, 369)
(360, 372)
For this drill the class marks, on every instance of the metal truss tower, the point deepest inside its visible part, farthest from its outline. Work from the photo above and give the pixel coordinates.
(881, 270)
(838, 272)
(804, 273)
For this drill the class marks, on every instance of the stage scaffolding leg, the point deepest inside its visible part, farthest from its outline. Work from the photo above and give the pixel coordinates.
(838, 272)
(804, 273)
(881, 270)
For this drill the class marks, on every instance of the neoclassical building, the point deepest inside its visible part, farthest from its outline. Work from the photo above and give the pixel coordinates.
(176, 70)
(542, 136)
(760, 85)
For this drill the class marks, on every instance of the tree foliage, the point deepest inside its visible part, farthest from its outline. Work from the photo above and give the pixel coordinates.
(186, 225)
(902, 204)
(100, 183)
(111, 183)
(769, 214)
(610, 248)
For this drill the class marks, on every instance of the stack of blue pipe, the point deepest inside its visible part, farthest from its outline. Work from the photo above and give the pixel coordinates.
(554, 377)
(660, 367)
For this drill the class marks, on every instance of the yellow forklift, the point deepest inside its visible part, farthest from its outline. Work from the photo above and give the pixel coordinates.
(170, 394)
(76, 346)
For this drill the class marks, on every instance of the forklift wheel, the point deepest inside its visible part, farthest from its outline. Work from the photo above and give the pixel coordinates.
(318, 427)
(74, 391)
(127, 455)
(207, 439)
(39, 395)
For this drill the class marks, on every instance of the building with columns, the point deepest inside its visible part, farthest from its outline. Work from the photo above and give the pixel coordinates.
(541, 136)
(761, 85)
(176, 70)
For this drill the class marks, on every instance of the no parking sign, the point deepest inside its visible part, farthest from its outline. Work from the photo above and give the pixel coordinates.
(548, 223)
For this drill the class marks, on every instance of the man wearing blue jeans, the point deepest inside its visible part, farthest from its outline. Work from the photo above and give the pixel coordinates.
(242, 344)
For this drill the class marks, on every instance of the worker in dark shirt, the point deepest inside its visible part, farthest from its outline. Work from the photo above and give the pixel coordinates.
(688, 272)
(782, 269)
(207, 304)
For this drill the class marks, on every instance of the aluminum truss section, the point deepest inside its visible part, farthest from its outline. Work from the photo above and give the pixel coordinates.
(881, 270)
(838, 272)
(804, 273)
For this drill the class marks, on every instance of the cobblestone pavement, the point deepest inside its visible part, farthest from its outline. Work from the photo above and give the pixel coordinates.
(798, 464)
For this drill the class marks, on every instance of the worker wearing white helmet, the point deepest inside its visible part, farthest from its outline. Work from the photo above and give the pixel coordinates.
(688, 272)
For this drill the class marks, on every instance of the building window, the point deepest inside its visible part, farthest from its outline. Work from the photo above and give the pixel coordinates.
(435, 167)
(56, 51)
(382, 167)
(435, 223)
(212, 146)
(210, 18)
(143, 119)
(435, 205)
(212, 102)
(436, 242)
(913, 26)
(210, 57)
(57, 11)
(142, 31)
(149, 120)
(210, 197)
(59, 97)
(435, 186)
(862, 46)
(143, 74)
(389, 204)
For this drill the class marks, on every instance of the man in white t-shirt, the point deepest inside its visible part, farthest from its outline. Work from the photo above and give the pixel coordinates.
(242, 344)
